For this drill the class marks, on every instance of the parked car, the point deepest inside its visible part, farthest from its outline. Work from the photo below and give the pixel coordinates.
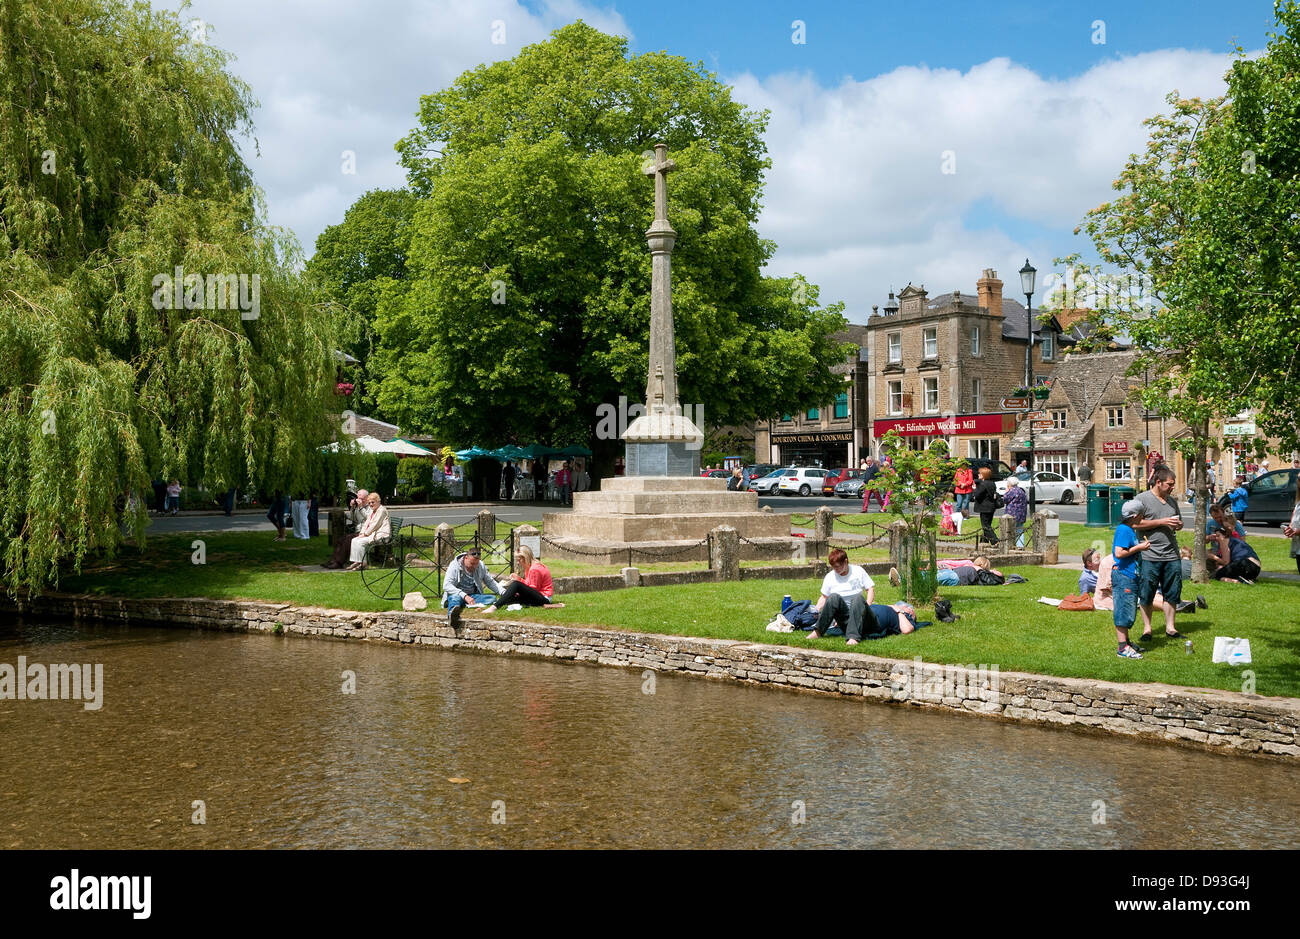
(850, 488)
(766, 485)
(1270, 498)
(758, 471)
(1052, 487)
(716, 474)
(836, 476)
(800, 480)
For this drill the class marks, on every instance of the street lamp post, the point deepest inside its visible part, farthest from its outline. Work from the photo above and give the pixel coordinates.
(1027, 287)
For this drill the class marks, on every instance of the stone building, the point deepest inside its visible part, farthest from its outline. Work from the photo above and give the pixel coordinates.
(939, 367)
(833, 435)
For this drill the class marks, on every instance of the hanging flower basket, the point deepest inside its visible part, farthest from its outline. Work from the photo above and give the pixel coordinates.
(1042, 392)
(344, 388)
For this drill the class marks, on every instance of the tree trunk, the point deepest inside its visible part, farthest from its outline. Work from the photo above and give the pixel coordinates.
(1200, 434)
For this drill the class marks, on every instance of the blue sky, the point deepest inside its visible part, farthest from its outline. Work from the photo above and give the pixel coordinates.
(913, 142)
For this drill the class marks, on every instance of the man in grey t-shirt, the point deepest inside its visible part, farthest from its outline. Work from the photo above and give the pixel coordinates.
(1160, 570)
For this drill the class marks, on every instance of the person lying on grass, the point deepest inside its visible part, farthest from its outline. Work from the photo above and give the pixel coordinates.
(847, 592)
(530, 587)
(957, 572)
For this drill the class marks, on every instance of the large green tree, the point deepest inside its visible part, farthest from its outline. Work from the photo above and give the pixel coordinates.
(354, 261)
(1208, 218)
(526, 301)
(118, 163)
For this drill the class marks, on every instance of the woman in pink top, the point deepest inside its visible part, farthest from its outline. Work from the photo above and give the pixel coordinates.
(531, 586)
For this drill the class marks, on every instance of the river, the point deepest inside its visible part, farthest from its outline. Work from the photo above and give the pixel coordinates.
(452, 749)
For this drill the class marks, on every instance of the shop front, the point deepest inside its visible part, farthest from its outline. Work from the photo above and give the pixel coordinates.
(967, 435)
(826, 449)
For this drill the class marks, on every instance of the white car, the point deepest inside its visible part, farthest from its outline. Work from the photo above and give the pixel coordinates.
(766, 485)
(803, 480)
(1050, 487)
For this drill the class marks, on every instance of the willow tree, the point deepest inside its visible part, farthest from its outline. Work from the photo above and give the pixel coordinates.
(150, 322)
(525, 305)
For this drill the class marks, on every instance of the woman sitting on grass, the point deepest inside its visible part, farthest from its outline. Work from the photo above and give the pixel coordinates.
(1292, 528)
(534, 588)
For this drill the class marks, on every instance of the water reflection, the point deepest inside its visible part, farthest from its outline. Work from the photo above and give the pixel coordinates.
(260, 730)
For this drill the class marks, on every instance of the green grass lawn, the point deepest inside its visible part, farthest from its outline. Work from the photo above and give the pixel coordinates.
(1000, 625)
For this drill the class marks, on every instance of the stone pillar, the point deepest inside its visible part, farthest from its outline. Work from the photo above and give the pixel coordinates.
(487, 527)
(724, 555)
(516, 535)
(631, 577)
(1047, 535)
(897, 533)
(445, 545)
(1006, 531)
(823, 523)
(338, 525)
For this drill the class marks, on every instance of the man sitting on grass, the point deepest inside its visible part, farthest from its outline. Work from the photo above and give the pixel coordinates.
(467, 584)
(847, 592)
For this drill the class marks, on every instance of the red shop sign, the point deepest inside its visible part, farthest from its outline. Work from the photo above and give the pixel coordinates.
(1118, 446)
(994, 424)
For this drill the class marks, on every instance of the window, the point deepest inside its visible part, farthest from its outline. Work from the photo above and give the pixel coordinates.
(1054, 462)
(931, 394)
(976, 394)
(920, 443)
(895, 347)
(1115, 418)
(1049, 347)
(787, 418)
(1058, 420)
(984, 449)
(1117, 471)
(814, 414)
(842, 404)
(975, 340)
(895, 397)
(930, 343)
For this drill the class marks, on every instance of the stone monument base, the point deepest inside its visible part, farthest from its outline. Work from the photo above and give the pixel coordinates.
(662, 516)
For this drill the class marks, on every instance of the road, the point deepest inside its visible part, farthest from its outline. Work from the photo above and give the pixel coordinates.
(528, 511)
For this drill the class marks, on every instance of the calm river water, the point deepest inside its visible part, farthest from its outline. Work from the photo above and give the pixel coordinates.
(259, 730)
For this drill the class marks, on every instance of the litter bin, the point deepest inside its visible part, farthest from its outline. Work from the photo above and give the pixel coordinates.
(1118, 496)
(1098, 501)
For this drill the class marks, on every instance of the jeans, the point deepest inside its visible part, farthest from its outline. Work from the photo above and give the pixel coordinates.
(947, 578)
(963, 500)
(1124, 592)
(1020, 535)
(485, 598)
(1164, 577)
(852, 615)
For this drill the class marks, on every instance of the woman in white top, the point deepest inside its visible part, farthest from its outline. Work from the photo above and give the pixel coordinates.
(375, 528)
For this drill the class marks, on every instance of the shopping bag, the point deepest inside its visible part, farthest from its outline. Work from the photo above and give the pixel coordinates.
(1234, 651)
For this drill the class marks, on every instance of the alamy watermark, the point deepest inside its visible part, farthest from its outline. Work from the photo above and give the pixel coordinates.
(181, 291)
(935, 682)
(56, 682)
(612, 422)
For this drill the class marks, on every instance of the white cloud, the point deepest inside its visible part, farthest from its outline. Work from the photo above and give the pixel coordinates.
(856, 198)
(336, 75)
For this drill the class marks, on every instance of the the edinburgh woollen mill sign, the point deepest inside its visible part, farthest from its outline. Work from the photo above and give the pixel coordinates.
(992, 424)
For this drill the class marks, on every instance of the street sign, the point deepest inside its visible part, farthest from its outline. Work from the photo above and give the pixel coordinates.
(1015, 404)
(1043, 425)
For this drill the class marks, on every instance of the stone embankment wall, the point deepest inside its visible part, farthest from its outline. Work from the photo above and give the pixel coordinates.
(1210, 719)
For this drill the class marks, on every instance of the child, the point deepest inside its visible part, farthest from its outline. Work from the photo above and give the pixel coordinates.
(173, 504)
(946, 524)
(1124, 576)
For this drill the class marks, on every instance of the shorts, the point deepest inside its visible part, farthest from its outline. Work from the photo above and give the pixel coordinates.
(1164, 577)
(1124, 593)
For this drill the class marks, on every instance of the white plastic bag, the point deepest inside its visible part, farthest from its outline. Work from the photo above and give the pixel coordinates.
(1234, 651)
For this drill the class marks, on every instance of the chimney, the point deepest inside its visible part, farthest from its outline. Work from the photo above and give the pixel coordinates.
(1067, 318)
(989, 289)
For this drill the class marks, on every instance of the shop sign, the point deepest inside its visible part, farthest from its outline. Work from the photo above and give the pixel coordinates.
(812, 438)
(963, 424)
(1242, 429)
(1115, 446)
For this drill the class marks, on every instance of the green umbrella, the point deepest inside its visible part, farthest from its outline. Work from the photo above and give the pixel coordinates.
(576, 450)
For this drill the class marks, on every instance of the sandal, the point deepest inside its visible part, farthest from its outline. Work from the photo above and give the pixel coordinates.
(1173, 635)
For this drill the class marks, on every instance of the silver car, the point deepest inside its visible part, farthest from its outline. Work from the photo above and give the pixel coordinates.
(766, 485)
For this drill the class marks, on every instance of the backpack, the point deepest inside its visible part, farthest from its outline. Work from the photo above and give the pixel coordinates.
(943, 611)
(801, 614)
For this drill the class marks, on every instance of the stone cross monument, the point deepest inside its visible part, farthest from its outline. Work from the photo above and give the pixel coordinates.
(662, 442)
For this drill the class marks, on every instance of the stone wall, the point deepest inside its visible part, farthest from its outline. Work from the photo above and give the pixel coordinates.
(1208, 719)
